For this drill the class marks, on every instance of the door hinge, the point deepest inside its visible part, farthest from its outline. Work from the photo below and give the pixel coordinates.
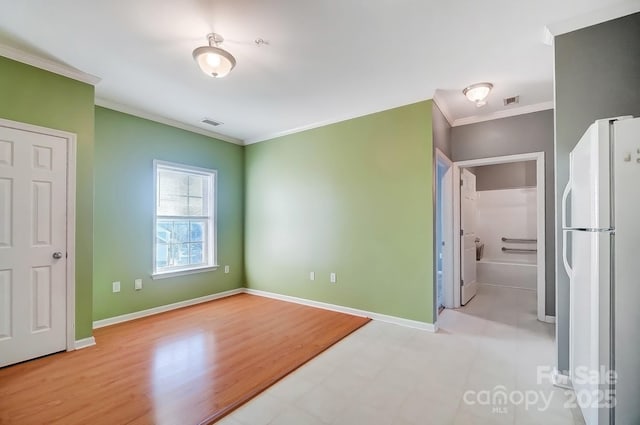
(461, 232)
(461, 182)
(461, 282)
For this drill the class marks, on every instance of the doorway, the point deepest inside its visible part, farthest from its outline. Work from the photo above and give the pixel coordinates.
(535, 247)
(443, 249)
(37, 238)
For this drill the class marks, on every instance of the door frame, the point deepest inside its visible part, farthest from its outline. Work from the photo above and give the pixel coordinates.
(447, 231)
(71, 218)
(540, 222)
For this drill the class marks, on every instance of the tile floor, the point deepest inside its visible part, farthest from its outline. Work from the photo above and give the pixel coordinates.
(391, 375)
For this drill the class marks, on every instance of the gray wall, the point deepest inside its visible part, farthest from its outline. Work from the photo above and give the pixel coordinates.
(511, 175)
(441, 131)
(597, 74)
(509, 136)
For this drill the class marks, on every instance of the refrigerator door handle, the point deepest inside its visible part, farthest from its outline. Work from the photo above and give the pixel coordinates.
(565, 197)
(565, 261)
(565, 233)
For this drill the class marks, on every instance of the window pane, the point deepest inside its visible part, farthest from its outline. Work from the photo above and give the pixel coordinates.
(197, 231)
(173, 205)
(196, 186)
(182, 254)
(162, 255)
(196, 207)
(197, 255)
(180, 231)
(172, 183)
(164, 230)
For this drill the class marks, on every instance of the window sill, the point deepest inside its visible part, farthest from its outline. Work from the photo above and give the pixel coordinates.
(174, 273)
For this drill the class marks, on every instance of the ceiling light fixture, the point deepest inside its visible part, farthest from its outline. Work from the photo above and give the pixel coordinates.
(478, 93)
(212, 60)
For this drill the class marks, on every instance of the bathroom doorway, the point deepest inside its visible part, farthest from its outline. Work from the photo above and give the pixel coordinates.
(519, 248)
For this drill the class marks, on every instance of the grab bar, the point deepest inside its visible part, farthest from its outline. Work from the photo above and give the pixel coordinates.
(519, 251)
(508, 240)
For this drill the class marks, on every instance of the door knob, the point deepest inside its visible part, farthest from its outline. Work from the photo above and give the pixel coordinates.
(57, 255)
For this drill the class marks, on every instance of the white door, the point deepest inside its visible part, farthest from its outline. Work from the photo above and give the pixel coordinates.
(468, 212)
(33, 187)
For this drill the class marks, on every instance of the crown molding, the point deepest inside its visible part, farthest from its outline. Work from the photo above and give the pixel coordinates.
(105, 103)
(527, 109)
(443, 108)
(47, 65)
(595, 17)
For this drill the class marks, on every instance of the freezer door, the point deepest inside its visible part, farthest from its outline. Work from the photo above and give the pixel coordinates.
(627, 271)
(589, 179)
(589, 342)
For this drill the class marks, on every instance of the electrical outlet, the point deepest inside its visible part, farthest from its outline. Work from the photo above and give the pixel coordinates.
(226, 269)
(312, 275)
(115, 286)
(137, 284)
(332, 278)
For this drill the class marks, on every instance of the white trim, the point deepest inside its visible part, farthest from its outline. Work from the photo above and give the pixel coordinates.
(323, 123)
(447, 230)
(520, 288)
(130, 110)
(540, 221)
(326, 306)
(47, 65)
(348, 310)
(84, 343)
(550, 319)
(71, 219)
(164, 308)
(175, 273)
(456, 237)
(505, 113)
(595, 17)
(561, 380)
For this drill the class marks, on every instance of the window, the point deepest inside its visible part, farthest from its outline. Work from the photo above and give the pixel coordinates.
(184, 224)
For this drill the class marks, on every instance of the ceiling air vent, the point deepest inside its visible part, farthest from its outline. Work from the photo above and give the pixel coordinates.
(511, 100)
(211, 122)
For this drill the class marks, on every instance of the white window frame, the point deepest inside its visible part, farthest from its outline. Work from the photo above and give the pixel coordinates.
(212, 227)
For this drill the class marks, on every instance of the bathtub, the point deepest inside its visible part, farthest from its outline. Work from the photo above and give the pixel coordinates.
(507, 273)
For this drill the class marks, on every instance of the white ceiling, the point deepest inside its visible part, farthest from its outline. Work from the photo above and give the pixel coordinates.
(325, 60)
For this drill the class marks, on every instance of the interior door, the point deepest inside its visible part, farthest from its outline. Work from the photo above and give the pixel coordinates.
(468, 213)
(33, 187)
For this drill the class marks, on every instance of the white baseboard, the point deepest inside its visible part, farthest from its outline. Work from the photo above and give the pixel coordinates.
(163, 308)
(561, 380)
(318, 304)
(348, 310)
(84, 343)
(550, 319)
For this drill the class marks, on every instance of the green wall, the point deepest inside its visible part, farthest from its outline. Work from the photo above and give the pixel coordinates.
(125, 149)
(353, 198)
(38, 97)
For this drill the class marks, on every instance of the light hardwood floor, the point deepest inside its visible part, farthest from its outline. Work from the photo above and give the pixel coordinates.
(186, 366)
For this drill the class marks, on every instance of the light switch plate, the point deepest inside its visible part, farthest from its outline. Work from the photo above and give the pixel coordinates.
(137, 284)
(115, 286)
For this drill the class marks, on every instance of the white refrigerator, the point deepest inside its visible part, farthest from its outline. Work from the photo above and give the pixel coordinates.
(601, 254)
